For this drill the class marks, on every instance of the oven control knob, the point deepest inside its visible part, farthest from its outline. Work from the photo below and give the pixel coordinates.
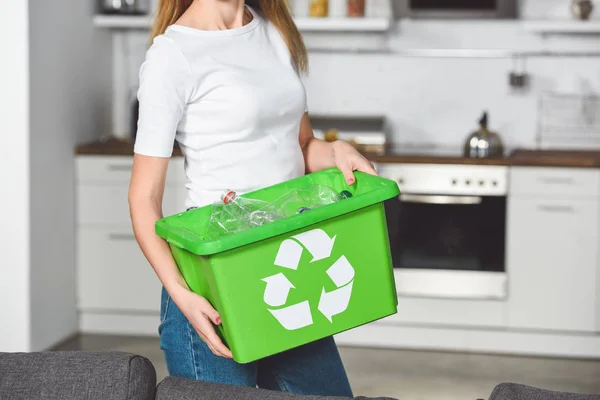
(494, 183)
(467, 182)
(454, 182)
(481, 183)
(400, 181)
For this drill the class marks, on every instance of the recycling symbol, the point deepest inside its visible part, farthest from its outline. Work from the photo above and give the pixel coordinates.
(297, 316)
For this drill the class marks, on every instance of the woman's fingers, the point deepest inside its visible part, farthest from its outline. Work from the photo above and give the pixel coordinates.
(210, 346)
(348, 173)
(212, 340)
(208, 310)
(217, 344)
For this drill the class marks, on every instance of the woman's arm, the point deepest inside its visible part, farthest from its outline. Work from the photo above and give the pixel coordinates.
(319, 155)
(145, 203)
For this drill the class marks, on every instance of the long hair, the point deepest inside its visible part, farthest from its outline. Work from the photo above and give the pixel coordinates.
(276, 11)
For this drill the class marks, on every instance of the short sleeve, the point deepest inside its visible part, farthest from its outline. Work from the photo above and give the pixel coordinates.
(165, 86)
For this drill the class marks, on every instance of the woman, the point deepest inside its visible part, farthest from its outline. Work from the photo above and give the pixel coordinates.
(222, 78)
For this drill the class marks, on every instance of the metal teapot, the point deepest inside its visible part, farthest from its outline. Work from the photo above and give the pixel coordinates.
(483, 143)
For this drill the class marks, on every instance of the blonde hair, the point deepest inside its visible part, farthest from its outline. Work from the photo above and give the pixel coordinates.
(276, 11)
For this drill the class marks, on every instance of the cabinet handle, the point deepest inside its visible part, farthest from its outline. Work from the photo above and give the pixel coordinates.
(121, 237)
(119, 167)
(557, 181)
(556, 209)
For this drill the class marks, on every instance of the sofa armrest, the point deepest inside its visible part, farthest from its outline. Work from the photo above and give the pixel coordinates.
(514, 391)
(173, 388)
(75, 375)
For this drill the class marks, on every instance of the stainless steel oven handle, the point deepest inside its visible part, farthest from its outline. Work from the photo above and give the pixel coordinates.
(439, 199)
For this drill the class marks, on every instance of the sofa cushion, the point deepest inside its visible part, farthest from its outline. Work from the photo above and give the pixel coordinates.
(514, 391)
(173, 388)
(77, 375)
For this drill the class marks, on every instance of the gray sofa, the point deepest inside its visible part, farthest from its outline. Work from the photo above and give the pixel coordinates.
(79, 375)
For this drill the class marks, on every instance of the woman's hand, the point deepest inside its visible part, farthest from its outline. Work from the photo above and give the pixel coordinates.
(347, 159)
(319, 155)
(202, 316)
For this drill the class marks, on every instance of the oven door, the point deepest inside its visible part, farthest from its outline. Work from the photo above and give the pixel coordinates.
(448, 246)
(453, 9)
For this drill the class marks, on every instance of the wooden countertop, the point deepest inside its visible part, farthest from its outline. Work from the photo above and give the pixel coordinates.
(112, 147)
(556, 158)
(519, 157)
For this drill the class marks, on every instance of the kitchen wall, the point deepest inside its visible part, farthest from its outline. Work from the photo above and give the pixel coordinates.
(55, 79)
(431, 99)
(69, 86)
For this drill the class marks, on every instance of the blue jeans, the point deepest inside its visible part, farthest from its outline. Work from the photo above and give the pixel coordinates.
(313, 369)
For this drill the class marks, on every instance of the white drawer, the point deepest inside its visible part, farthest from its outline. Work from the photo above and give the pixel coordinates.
(113, 273)
(450, 312)
(107, 205)
(113, 169)
(556, 182)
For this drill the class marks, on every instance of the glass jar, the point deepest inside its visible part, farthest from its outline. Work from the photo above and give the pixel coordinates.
(356, 8)
(319, 8)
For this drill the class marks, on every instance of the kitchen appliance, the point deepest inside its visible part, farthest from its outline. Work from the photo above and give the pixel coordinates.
(447, 230)
(582, 9)
(455, 8)
(367, 133)
(483, 142)
(129, 7)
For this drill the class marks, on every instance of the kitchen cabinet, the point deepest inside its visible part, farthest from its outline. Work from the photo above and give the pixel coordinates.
(114, 277)
(552, 249)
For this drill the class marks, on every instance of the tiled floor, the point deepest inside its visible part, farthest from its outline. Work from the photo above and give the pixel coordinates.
(411, 375)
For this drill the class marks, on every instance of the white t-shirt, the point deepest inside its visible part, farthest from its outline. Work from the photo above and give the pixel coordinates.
(232, 99)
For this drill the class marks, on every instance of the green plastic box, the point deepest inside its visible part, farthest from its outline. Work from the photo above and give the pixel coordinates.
(296, 280)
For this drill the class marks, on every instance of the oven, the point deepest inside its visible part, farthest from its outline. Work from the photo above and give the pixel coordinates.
(448, 230)
(503, 9)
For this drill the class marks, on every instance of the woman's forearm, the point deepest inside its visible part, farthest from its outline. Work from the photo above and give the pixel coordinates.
(144, 214)
(318, 155)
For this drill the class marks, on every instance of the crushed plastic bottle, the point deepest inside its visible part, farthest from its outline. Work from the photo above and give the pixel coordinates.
(235, 214)
(304, 199)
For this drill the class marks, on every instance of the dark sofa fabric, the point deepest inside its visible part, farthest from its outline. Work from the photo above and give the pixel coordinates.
(76, 375)
(173, 388)
(514, 391)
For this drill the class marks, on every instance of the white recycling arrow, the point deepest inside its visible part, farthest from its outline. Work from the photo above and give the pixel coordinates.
(335, 302)
(289, 254)
(341, 272)
(294, 317)
(278, 287)
(277, 290)
(317, 242)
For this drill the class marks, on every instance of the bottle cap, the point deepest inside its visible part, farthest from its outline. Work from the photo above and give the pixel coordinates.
(345, 194)
(228, 196)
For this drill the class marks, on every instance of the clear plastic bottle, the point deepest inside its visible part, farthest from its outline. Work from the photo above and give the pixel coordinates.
(235, 214)
(303, 199)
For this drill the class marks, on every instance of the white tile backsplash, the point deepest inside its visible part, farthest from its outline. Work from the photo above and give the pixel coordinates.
(426, 100)
(440, 100)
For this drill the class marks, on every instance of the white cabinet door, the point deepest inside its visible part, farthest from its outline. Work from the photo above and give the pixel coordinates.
(552, 267)
(107, 205)
(113, 273)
